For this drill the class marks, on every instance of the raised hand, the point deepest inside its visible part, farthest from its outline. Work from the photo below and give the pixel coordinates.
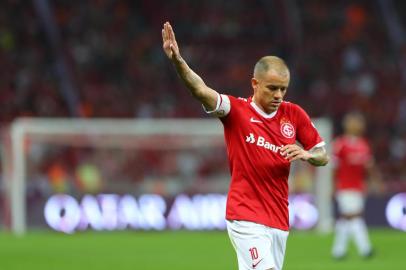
(195, 84)
(169, 43)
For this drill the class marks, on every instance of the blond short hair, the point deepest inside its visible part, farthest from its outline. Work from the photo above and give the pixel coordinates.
(273, 63)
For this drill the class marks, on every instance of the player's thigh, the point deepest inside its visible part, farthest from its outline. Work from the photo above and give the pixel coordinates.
(350, 202)
(256, 246)
(278, 248)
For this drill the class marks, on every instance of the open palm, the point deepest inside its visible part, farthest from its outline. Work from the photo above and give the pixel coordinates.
(169, 45)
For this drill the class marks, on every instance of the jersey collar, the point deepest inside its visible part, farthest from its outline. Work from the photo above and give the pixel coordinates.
(261, 112)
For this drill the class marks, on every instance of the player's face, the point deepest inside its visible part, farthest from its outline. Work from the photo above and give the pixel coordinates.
(269, 90)
(354, 125)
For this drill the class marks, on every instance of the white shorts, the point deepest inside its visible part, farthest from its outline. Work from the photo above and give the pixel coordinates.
(257, 246)
(350, 202)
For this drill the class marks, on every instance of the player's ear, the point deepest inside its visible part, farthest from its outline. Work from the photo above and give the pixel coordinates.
(254, 83)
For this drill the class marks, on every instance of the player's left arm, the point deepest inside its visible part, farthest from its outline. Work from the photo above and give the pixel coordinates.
(312, 147)
(317, 156)
(374, 177)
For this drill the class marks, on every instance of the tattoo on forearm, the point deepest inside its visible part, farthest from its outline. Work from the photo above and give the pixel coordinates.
(319, 156)
(192, 79)
(188, 76)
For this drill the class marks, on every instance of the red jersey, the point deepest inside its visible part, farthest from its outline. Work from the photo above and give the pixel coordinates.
(259, 173)
(351, 156)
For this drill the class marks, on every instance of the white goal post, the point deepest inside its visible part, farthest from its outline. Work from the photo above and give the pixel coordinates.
(128, 133)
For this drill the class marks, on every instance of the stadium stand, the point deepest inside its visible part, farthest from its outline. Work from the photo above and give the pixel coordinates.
(341, 61)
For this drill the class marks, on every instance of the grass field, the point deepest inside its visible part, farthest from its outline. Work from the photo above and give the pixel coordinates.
(181, 250)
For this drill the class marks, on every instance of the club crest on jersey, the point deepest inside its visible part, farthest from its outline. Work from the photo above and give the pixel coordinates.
(287, 129)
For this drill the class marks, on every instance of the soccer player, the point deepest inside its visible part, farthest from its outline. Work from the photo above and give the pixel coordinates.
(353, 159)
(260, 134)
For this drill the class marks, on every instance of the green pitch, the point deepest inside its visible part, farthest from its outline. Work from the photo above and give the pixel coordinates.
(181, 250)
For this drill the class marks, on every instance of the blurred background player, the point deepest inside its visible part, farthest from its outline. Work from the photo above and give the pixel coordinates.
(354, 161)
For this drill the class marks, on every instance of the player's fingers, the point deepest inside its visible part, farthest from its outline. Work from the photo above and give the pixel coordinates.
(290, 158)
(163, 35)
(283, 151)
(293, 153)
(286, 149)
(173, 50)
(166, 31)
(171, 32)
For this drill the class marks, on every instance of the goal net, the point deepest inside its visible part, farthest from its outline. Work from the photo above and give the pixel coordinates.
(113, 174)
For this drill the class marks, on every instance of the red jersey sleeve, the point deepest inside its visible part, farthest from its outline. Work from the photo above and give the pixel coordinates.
(307, 133)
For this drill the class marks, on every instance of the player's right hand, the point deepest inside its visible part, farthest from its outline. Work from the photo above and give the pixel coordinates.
(169, 43)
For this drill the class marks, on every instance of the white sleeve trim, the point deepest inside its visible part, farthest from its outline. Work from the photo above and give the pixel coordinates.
(223, 106)
(320, 144)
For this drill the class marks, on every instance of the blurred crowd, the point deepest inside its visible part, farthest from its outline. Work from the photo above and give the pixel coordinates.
(103, 58)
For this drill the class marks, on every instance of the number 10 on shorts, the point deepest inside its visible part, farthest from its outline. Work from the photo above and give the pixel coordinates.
(254, 253)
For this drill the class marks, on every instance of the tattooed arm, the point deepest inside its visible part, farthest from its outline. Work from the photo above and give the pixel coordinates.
(316, 156)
